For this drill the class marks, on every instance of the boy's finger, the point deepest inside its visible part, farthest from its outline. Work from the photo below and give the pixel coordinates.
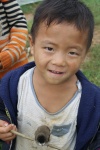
(6, 129)
(3, 123)
(8, 137)
(14, 128)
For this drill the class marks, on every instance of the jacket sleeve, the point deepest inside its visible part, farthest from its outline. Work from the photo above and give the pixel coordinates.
(11, 53)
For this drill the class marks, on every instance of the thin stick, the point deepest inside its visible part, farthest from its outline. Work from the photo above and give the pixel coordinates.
(22, 135)
(26, 137)
(53, 147)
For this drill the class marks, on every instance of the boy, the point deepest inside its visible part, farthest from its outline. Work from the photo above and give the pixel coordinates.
(53, 93)
(13, 36)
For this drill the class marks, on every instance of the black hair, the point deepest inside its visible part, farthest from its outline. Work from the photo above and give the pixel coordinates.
(58, 11)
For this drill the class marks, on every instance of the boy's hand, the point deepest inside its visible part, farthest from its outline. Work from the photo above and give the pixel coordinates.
(5, 129)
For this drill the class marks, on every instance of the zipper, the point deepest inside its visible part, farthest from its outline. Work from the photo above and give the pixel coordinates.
(8, 115)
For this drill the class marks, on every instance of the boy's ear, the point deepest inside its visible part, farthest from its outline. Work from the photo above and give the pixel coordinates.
(31, 44)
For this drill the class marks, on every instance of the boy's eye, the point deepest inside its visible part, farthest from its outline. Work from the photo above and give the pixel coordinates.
(49, 48)
(73, 53)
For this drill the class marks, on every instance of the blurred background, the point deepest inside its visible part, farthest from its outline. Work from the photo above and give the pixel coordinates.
(91, 67)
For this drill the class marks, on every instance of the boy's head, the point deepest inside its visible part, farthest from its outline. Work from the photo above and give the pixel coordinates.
(59, 11)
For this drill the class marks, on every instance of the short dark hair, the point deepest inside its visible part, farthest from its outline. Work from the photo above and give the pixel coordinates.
(58, 11)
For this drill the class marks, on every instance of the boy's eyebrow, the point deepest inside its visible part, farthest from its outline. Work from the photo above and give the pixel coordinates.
(48, 42)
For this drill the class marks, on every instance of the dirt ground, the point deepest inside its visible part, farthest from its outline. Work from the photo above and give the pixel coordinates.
(96, 37)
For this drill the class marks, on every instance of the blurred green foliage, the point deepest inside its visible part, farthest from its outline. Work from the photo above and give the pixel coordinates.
(91, 67)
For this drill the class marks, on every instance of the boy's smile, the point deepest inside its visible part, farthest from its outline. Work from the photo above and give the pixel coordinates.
(58, 51)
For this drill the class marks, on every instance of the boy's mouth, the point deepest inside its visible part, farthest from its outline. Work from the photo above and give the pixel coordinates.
(56, 72)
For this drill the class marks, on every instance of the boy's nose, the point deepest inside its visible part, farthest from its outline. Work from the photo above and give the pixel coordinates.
(59, 59)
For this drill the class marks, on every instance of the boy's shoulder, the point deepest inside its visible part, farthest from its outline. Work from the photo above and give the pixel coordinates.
(11, 79)
(87, 86)
(15, 74)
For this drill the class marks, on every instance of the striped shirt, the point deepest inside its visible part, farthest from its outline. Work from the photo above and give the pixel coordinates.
(13, 36)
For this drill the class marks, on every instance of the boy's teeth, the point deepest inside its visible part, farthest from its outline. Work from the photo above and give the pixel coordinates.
(56, 72)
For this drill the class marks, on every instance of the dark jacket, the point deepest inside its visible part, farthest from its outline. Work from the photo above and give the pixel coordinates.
(89, 109)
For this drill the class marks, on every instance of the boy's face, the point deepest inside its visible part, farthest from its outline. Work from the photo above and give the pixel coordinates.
(58, 51)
